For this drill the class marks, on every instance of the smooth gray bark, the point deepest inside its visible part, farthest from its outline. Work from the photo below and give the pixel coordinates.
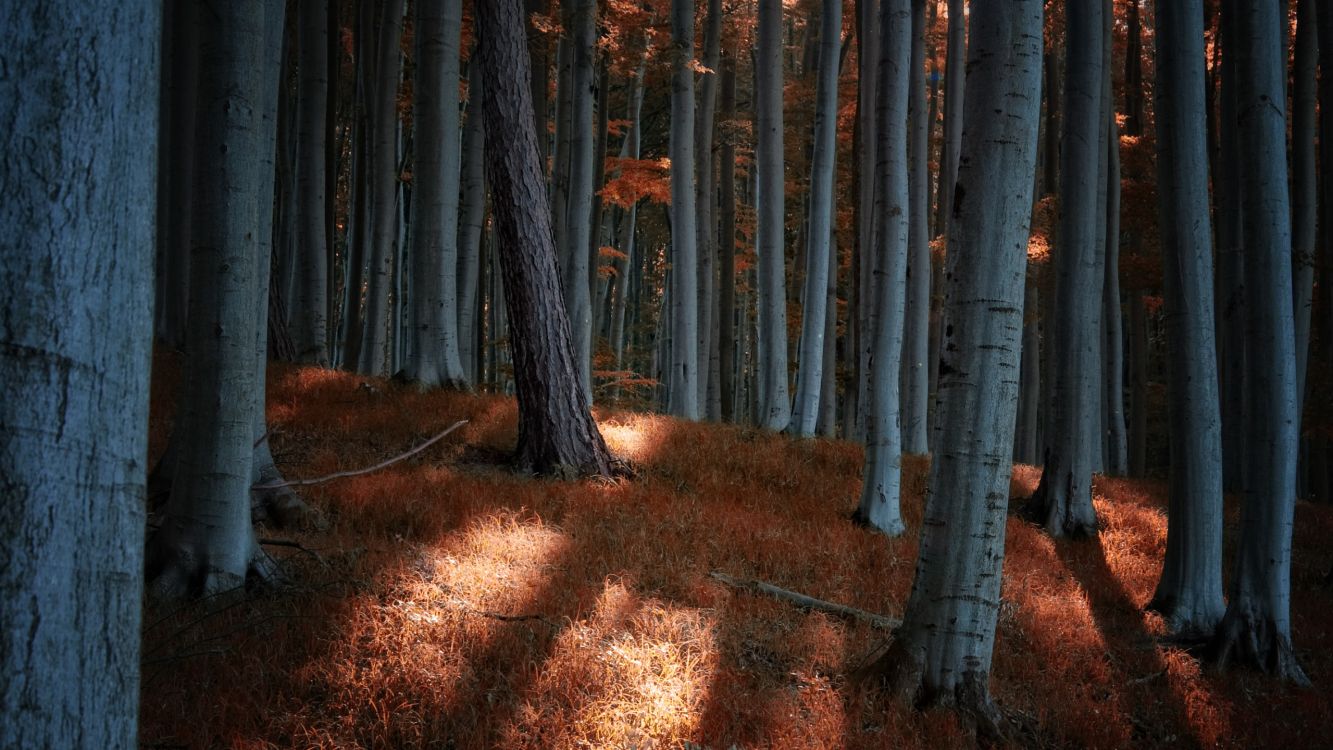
(76, 326)
(881, 477)
(864, 254)
(706, 222)
(1304, 187)
(683, 371)
(1231, 301)
(1025, 428)
(1256, 628)
(810, 373)
(309, 304)
(1063, 501)
(472, 219)
(942, 652)
(578, 217)
(916, 327)
(1113, 347)
(770, 216)
(1189, 593)
(434, 359)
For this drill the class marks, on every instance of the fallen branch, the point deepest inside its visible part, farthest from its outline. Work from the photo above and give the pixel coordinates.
(358, 472)
(807, 602)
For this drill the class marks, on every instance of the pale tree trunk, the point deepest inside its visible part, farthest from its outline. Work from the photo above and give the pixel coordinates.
(683, 373)
(1230, 262)
(916, 331)
(819, 234)
(76, 262)
(942, 652)
(827, 426)
(578, 216)
(176, 160)
(472, 219)
(600, 230)
(382, 180)
(706, 224)
(1113, 346)
(1304, 187)
(205, 543)
(556, 432)
(1256, 628)
(770, 216)
(1063, 501)
(559, 187)
(309, 305)
(726, 323)
(1189, 593)
(435, 359)
(881, 477)
(862, 319)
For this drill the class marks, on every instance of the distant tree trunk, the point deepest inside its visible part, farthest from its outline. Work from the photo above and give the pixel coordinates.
(683, 373)
(351, 323)
(726, 323)
(863, 255)
(559, 187)
(1063, 501)
(1189, 593)
(1256, 628)
(942, 652)
(435, 359)
(309, 305)
(76, 263)
(382, 179)
(882, 474)
(578, 217)
(810, 374)
(180, 70)
(1138, 385)
(1230, 262)
(1112, 318)
(1304, 187)
(827, 425)
(1029, 380)
(206, 543)
(916, 338)
(556, 432)
(706, 223)
(472, 217)
(770, 218)
(1133, 71)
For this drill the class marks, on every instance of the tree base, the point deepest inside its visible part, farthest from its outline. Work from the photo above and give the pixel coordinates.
(1190, 628)
(860, 518)
(903, 676)
(1250, 639)
(176, 570)
(1052, 514)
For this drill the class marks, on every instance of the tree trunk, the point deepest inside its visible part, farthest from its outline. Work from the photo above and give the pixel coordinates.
(810, 375)
(867, 29)
(827, 426)
(556, 432)
(435, 359)
(176, 160)
(882, 474)
(77, 264)
(472, 218)
(1189, 593)
(1230, 263)
(1256, 628)
(770, 217)
(706, 224)
(1304, 188)
(683, 372)
(942, 651)
(1112, 319)
(308, 305)
(538, 55)
(578, 217)
(1063, 501)
(916, 338)
(726, 319)
(1029, 379)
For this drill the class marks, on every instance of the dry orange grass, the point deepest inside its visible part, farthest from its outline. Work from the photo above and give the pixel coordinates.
(401, 634)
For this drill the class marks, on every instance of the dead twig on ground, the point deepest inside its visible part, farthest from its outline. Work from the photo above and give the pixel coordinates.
(807, 602)
(358, 472)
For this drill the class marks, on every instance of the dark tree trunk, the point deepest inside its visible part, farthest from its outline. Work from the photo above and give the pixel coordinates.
(726, 324)
(556, 430)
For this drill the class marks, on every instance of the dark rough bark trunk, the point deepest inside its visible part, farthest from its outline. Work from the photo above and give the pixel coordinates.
(76, 263)
(539, 60)
(1189, 593)
(942, 652)
(556, 431)
(1256, 628)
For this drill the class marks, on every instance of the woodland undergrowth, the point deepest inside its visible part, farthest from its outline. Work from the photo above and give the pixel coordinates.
(454, 603)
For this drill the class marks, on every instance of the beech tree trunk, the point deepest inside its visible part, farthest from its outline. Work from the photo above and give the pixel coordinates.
(706, 223)
(309, 304)
(556, 432)
(1063, 501)
(862, 333)
(916, 332)
(775, 398)
(1256, 628)
(472, 218)
(1189, 593)
(726, 318)
(578, 217)
(180, 71)
(683, 373)
(819, 234)
(434, 359)
(1113, 346)
(1304, 187)
(882, 474)
(942, 651)
(1230, 261)
(76, 262)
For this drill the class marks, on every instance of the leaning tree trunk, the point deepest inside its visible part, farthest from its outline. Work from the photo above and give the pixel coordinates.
(206, 543)
(556, 432)
(309, 304)
(1256, 628)
(1063, 501)
(683, 374)
(819, 234)
(472, 219)
(942, 651)
(1189, 593)
(76, 262)
(882, 473)
(578, 216)
(916, 331)
(435, 359)
(775, 406)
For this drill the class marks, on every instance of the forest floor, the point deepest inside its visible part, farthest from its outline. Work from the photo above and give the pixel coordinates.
(453, 603)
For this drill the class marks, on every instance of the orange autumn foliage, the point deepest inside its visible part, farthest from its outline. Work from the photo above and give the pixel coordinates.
(395, 635)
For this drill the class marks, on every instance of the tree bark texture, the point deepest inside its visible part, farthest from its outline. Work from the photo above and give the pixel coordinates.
(472, 220)
(726, 323)
(578, 217)
(916, 331)
(775, 395)
(309, 304)
(683, 372)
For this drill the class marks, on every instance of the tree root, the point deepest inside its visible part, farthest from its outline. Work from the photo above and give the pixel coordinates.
(1248, 638)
